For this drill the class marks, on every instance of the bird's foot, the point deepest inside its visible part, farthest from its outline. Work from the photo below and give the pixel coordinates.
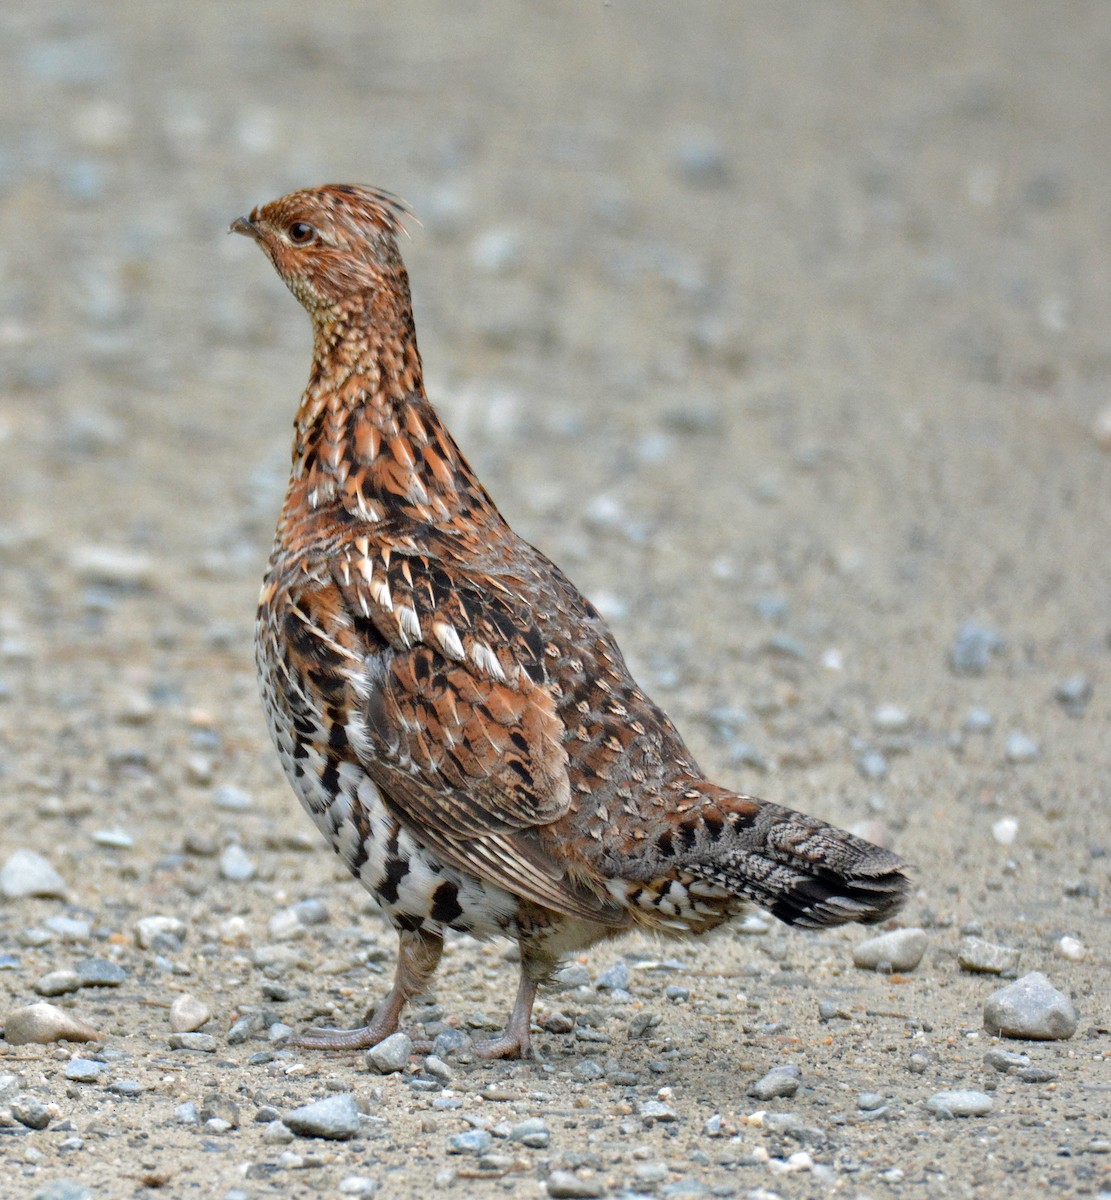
(341, 1039)
(509, 1045)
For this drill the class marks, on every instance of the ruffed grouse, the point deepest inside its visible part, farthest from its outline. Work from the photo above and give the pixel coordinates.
(454, 715)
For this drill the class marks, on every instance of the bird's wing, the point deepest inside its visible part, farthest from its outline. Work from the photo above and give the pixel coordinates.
(455, 722)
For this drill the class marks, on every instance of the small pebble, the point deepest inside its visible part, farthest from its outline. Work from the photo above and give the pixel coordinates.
(959, 1104)
(470, 1141)
(236, 864)
(978, 720)
(62, 1189)
(201, 1043)
(188, 1014)
(277, 1133)
(1031, 1007)
(231, 799)
(108, 566)
(44, 1023)
(58, 983)
(974, 954)
(1005, 1060)
(1022, 749)
(615, 976)
(779, 1082)
(187, 1114)
(86, 1070)
(30, 1112)
(1073, 695)
(699, 160)
(1071, 950)
(334, 1117)
(533, 1133)
(899, 950)
(869, 1101)
(450, 1041)
(563, 1185)
(115, 839)
(1005, 830)
(357, 1185)
(872, 765)
(26, 873)
(391, 1054)
(100, 972)
(973, 649)
(159, 933)
(890, 718)
(655, 1111)
(130, 1089)
(69, 929)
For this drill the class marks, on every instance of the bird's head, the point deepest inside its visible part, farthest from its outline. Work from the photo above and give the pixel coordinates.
(332, 244)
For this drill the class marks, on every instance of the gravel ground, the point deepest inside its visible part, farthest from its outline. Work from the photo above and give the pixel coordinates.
(784, 329)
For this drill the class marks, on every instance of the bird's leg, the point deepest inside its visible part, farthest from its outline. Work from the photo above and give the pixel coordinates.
(537, 965)
(515, 1042)
(417, 959)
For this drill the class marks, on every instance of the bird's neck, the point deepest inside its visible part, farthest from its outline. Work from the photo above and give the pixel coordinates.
(367, 441)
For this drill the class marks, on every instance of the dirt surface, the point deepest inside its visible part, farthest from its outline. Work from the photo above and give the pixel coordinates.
(784, 329)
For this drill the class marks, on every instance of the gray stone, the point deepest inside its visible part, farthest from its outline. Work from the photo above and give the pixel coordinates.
(391, 1054)
(1031, 1007)
(358, 1185)
(159, 933)
(44, 1023)
(69, 929)
(450, 1041)
(653, 1111)
(236, 865)
(614, 976)
(30, 1112)
(899, 950)
(563, 1185)
(129, 1089)
(973, 649)
(974, 954)
(470, 1141)
(1005, 1060)
(779, 1082)
(1022, 749)
(202, 1043)
(58, 983)
(277, 1133)
(26, 873)
(188, 1014)
(959, 1104)
(533, 1133)
(86, 1070)
(62, 1189)
(890, 718)
(334, 1117)
(1073, 695)
(231, 799)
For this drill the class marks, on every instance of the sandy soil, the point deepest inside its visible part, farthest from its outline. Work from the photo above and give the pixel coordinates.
(784, 329)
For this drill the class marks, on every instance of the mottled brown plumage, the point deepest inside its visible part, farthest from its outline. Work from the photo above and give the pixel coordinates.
(455, 717)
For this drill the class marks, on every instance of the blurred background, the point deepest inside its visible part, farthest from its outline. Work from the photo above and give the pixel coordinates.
(782, 327)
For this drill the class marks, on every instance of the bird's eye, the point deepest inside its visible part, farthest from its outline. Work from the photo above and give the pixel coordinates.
(301, 233)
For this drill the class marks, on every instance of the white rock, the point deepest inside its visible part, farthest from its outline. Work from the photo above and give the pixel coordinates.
(959, 1104)
(113, 566)
(899, 950)
(335, 1117)
(148, 929)
(29, 874)
(45, 1023)
(1005, 830)
(1031, 1007)
(1071, 950)
(236, 865)
(188, 1014)
(975, 954)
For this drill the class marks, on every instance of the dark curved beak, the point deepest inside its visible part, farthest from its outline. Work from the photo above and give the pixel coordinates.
(244, 225)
